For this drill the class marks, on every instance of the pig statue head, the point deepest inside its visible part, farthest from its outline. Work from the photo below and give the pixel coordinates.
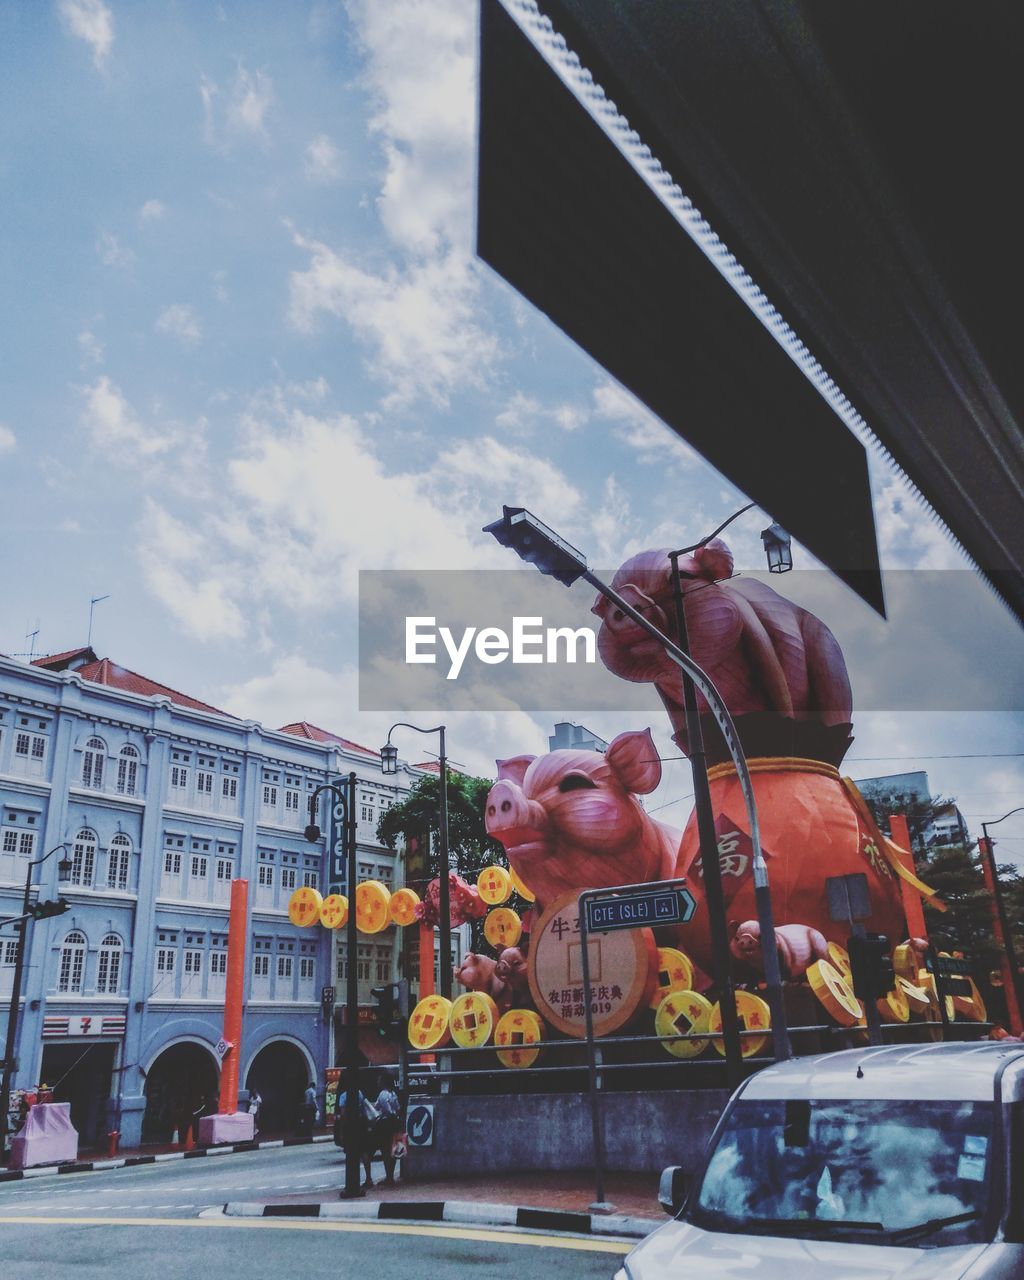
(512, 968)
(778, 668)
(570, 820)
(478, 973)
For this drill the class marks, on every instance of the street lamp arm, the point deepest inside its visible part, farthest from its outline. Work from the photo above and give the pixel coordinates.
(404, 724)
(714, 534)
(995, 822)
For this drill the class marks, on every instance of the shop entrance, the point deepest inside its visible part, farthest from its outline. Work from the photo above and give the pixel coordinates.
(81, 1073)
(182, 1082)
(280, 1072)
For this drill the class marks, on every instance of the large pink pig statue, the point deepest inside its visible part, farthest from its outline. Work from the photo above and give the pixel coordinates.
(571, 819)
(778, 668)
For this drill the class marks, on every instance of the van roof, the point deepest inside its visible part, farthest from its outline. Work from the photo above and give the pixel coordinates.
(931, 1071)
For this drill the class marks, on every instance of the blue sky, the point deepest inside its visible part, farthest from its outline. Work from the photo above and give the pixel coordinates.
(248, 351)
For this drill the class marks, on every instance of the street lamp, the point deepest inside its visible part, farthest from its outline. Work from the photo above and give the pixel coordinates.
(389, 765)
(64, 868)
(778, 547)
(345, 798)
(520, 530)
(985, 846)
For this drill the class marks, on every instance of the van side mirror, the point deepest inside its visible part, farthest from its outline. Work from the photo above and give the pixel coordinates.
(672, 1189)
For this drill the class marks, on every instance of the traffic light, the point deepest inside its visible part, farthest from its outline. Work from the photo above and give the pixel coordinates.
(871, 963)
(535, 543)
(42, 910)
(392, 1009)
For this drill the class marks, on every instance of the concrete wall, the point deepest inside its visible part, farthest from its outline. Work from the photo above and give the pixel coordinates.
(643, 1132)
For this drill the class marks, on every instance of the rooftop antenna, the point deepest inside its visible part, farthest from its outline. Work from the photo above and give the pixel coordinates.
(92, 605)
(31, 638)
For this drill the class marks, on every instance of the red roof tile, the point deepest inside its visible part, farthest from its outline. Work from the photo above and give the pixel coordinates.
(303, 729)
(58, 661)
(109, 673)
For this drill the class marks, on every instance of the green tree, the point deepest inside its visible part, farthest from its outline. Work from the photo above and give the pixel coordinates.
(418, 816)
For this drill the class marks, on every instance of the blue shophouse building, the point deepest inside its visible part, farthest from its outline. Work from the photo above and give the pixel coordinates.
(161, 801)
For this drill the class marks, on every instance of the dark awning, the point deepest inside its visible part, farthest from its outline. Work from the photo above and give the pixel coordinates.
(858, 160)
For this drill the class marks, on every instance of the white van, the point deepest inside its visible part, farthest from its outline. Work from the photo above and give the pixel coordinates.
(905, 1161)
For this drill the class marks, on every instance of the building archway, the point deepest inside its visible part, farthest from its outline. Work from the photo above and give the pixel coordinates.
(178, 1081)
(280, 1072)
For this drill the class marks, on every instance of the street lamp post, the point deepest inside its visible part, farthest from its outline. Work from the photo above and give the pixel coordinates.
(63, 870)
(1002, 924)
(535, 543)
(389, 765)
(345, 795)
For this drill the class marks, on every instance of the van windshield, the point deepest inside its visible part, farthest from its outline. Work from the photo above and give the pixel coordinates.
(872, 1170)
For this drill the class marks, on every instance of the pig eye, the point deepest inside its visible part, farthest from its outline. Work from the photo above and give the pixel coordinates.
(576, 782)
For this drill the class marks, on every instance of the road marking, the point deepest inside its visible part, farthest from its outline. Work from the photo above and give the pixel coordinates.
(582, 1244)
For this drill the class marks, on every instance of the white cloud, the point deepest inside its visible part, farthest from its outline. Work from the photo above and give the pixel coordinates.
(323, 160)
(181, 322)
(523, 413)
(420, 70)
(909, 535)
(179, 572)
(8, 440)
(112, 252)
(655, 444)
(241, 112)
(113, 425)
(152, 211)
(92, 348)
(420, 323)
(91, 21)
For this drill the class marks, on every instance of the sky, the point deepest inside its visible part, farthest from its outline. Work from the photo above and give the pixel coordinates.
(248, 351)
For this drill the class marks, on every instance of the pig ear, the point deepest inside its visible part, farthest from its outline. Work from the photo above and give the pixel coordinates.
(514, 769)
(634, 759)
(600, 606)
(714, 561)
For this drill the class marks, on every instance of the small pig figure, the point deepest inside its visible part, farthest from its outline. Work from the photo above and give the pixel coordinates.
(571, 820)
(799, 946)
(511, 969)
(477, 972)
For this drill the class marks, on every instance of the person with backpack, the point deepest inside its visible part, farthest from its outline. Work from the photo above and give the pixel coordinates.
(388, 1126)
(366, 1122)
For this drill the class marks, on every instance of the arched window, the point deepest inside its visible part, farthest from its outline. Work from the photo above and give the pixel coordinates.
(127, 771)
(83, 859)
(72, 963)
(92, 763)
(108, 971)
(119, 862)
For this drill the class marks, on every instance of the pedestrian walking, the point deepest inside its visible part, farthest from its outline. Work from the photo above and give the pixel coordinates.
(359, 1141)
(255, 1102)
(388, 1126)
(309, 1114)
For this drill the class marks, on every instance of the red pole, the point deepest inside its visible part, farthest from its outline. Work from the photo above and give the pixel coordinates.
(913, 908)
(426, 960)
(1009, 986)
(233, 997)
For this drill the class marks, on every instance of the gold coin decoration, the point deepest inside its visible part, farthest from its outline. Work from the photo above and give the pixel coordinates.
(402, 907)
(429, 1025)
(472, 1020)
(905, 962)
(927, 981)
(372, 902)
(894, 1006)
(835, 993)
(494, 885)
(304, 907)
(518, 1028)
(753, 1015)
(674, 973)
(503, 928)
(682, 1012)
(839, 958)
(334, 912)
(917, 998)
(520, 886)
(972, 1006)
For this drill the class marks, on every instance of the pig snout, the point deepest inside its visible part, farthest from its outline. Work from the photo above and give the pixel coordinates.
(509, 811)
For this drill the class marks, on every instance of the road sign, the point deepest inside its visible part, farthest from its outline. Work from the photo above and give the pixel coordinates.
(420, 1125)
(952, 973)
(221, 1048)
(637, 910)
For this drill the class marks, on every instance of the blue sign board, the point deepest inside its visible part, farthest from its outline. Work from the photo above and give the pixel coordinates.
(420, 1125)
(337, 863)
(638, 910)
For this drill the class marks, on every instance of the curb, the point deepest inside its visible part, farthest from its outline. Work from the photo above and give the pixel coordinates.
(467, 1212)
(128, 1162)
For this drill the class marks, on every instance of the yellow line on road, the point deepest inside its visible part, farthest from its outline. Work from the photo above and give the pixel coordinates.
(511, 1237)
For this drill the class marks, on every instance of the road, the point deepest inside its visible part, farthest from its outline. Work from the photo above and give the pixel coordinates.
(145, 1222)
